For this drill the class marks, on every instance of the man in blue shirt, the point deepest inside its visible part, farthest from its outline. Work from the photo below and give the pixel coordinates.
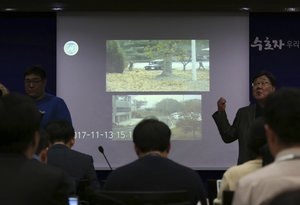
(52, 107)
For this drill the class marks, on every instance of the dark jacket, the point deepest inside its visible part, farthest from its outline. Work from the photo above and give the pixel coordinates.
(155, 173)
(78, 166)
(239, 130)
(29, 182)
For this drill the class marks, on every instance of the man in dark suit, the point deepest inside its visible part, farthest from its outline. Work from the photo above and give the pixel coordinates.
(78, 166)
(153, 171)
(263, 84)
(25, 181)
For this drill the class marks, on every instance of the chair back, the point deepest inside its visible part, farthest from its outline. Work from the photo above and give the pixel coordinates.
(212, 190)
(227, 197)
(82, 189)
(180, 197)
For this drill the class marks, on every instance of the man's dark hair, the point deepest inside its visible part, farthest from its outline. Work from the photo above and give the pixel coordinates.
(282, 114)
(151, 135)
(20, 120)
(36, 70)
(268, 74)
(60, 130)
(258, 137)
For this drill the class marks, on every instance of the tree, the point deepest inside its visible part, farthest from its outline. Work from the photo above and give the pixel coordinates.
(191, 116)
(134, 49)
(168, 106)
(168, 50)
(183, 53)
(193, 105)
(114, 58)
(165, 49)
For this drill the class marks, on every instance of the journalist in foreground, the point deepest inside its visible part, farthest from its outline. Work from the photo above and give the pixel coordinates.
(153, 170)
(25, 181)
(282, 120)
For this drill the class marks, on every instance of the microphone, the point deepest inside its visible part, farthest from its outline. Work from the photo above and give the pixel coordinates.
(100, 148)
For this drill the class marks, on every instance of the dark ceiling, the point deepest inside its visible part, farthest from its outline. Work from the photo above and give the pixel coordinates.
(150, 5)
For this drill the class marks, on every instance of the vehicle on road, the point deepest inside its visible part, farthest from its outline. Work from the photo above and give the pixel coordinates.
(155, 65)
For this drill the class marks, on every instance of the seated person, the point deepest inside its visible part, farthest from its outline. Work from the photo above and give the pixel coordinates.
(23, 180)
(78, 166)
(153, 171)
(3, 90)
(267, 156)
(282, 129)
(256, 143)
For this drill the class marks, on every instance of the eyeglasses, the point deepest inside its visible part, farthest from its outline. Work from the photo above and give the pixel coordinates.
(32, 82)
(263, 84)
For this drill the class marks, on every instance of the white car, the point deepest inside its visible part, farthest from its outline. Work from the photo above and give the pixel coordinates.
(155, 65)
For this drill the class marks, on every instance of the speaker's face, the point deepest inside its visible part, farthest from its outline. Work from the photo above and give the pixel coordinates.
(34, 86)
(261, 88)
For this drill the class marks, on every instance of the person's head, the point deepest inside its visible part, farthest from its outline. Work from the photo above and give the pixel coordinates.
(263, 84)
(282, 115)
(43, 145)
(3, 90)
(35, 81)
(257, 137)
(19, 124)
(151, 135)
(61, 131)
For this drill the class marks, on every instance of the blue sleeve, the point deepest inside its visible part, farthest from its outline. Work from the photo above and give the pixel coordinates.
(62, 111)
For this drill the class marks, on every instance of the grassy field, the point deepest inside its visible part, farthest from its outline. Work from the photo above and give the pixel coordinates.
(141, 80)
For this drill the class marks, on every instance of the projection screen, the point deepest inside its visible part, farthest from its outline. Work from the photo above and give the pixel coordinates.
(114, 69)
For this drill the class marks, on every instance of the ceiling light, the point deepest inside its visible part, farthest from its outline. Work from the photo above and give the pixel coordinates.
(245, 9)
(57, 9)
(291, 9)
(9, 9)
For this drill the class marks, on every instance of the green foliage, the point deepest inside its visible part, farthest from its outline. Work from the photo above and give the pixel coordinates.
(146, 50)
(114, 58)
(134, 50)
(193, 105)
(188, 125)
(168, 106)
